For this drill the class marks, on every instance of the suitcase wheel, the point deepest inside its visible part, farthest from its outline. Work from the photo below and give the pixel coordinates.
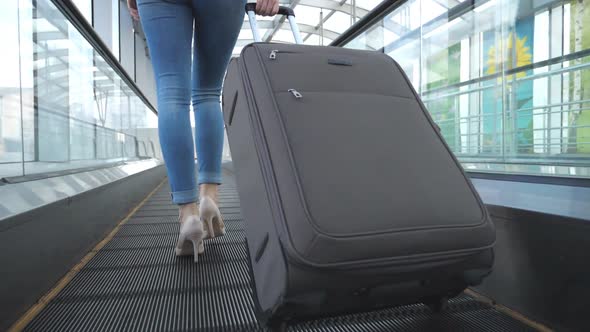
(436, 304)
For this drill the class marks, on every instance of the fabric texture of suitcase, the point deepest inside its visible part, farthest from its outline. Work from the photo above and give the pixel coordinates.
(352, 199)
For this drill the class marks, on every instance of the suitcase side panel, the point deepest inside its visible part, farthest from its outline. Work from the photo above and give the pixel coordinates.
(274, 157)
(266, 257)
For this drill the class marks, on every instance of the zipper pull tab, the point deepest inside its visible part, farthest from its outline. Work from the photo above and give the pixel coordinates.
(273, 54)
(296, 93)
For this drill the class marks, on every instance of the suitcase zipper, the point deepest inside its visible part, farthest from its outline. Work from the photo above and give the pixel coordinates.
(295, 93)
(273, 54)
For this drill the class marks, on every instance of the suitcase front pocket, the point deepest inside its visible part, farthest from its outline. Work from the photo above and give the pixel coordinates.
(372, 164)
(320, 68)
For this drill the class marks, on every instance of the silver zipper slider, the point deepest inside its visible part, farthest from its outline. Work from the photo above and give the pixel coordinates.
(295, 93)
(273, 54)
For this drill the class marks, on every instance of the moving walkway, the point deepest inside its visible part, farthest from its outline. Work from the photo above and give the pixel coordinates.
(60, 208)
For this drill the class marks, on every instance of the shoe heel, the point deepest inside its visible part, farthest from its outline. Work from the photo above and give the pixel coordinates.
(191, 231)
(218, 226)
(198, 249)
(208, 225)
(215, 225)
(211, 216)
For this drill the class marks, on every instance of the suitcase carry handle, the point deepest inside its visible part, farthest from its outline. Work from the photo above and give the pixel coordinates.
(283, 10)
(286, 11)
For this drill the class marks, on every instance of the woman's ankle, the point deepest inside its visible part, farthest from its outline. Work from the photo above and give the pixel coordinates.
(185, 210)
(209, 190)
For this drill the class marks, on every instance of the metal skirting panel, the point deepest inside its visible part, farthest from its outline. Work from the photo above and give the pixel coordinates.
(39, 247)
(135, 283)
(28, 193)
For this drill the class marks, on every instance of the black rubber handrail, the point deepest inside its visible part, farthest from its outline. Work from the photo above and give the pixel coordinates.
(377, 13)
(551, 179)
(544, 63)
(75, 17)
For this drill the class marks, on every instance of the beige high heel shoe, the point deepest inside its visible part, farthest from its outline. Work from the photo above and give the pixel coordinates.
(211, 217)
(190, 239)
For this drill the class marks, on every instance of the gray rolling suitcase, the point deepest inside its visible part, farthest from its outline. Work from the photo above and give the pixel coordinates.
(352, 201)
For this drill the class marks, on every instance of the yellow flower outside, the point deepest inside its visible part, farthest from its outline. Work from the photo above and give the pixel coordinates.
(522, 54)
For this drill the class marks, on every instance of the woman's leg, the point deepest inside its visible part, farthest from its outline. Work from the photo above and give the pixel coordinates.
(217, 25)
(168, 27)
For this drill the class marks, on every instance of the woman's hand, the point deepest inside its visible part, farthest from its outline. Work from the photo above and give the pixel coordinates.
(132, 5)
(267, 7)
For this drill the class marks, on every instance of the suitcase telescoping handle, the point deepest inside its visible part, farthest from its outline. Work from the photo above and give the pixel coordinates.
(286, 11)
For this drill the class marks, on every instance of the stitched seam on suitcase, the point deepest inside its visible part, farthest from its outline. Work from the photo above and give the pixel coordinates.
(311, 220)
(451, 254)
(250, 99)
(326, 56)
(258, 128)
(483, 209)
(435, 126)
(297, 254)
(301, 195)
(269, 87)
(345, 92)
(389, 261)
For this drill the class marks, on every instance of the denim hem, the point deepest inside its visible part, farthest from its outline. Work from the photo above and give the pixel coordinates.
(184, 197)
(209, 178)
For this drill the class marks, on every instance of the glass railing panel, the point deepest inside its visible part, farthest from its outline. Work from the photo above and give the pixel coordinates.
(470, 115)
(507, 81)
(11, 131)
(63, 105)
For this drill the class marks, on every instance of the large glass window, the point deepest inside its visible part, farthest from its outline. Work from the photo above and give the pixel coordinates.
(508, 81)
(11, 130)
(62, 106)
(115, 28)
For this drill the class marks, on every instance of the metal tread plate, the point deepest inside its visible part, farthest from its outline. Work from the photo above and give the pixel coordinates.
(136, 283)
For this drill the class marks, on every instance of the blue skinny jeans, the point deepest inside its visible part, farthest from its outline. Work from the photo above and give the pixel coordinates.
(168, 27)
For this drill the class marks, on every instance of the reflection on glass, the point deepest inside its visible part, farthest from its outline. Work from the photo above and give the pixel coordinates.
(11, 145)
(115, 28)
(61, 104)
(507, 81)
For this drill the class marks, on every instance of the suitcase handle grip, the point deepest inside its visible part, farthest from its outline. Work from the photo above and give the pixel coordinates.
(285, 11)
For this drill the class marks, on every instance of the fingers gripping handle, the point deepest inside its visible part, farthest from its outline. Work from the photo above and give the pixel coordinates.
(287, 11)
(250, 10)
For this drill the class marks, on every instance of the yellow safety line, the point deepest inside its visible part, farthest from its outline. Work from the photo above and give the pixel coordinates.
(25, 319)
(514, 314)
